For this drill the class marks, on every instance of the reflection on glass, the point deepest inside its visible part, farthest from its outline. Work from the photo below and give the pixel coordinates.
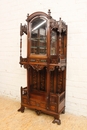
(38, 36)
(53, 46)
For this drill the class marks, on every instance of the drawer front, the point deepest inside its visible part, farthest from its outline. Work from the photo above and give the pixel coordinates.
(38, 104)
(33, 103)
(53, 108)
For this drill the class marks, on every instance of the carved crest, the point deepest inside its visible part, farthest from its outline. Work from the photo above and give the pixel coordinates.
(37, 67)
(60, 26)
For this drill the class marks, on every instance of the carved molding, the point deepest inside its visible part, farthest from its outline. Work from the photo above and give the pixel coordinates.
(23, 59)
(37, 67)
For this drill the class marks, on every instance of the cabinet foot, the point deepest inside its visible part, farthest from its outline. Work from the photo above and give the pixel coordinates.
(21, 109)
(38, 112)
(63, 112)
(58, 121)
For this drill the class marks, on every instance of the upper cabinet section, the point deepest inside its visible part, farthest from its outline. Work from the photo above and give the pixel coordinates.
(46, 40)
(38, 36)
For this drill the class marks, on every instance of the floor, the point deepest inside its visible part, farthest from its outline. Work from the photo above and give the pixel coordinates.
(11, 119)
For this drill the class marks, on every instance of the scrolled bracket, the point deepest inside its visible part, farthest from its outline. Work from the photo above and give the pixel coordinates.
(23, 29)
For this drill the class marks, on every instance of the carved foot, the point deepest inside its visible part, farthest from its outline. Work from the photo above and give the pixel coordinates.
(58, 121)
(63, 112)
(21, 109)
(38, 112)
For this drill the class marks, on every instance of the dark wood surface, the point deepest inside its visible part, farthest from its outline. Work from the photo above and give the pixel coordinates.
(45, 64)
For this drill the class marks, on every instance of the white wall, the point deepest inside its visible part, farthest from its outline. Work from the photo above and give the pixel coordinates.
(12, 76)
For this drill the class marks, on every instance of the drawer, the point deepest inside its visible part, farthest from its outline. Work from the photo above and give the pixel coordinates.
(53, 108)
(43, 105)
(33, 103)
(38, 104)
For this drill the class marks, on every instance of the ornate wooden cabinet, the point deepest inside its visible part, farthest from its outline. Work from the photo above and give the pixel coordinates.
(45, 64)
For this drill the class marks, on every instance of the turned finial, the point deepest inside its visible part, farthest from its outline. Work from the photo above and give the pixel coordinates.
(49, 12)
(27, 15)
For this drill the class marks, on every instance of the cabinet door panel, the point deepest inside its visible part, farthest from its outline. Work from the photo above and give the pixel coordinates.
(38, 36)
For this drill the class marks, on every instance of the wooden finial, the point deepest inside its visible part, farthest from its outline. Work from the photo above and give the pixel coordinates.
(27, 17)
(49, 12)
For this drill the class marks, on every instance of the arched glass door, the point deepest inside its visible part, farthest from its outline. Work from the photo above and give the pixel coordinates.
(39, 36)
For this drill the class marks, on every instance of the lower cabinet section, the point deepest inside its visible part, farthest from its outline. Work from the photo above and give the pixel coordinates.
(54, 105)
(33, 103)
(56, 102)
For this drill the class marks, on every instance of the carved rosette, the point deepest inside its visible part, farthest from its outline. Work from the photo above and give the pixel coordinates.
(51, 68)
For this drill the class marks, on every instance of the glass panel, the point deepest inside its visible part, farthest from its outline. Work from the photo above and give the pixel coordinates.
(53, 46)
(38, 36)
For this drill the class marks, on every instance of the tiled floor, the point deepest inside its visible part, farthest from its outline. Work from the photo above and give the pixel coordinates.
(11, 119)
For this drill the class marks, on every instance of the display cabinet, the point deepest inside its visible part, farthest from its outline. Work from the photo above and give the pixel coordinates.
(45, 64)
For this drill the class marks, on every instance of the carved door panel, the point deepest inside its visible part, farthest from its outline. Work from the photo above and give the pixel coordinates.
(38, 79)
(56, 81)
